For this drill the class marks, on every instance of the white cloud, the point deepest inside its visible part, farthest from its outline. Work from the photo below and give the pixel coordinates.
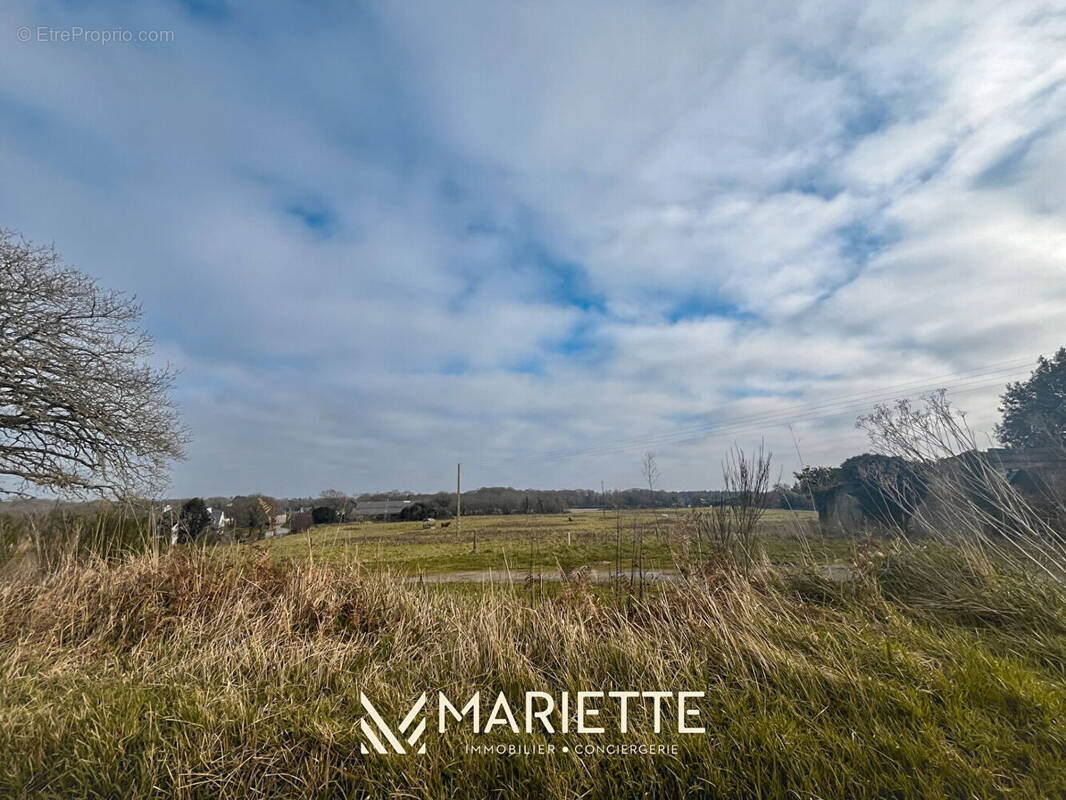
(551, 227)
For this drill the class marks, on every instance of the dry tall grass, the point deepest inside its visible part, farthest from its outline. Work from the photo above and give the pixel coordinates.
(195, 675)
(966, 499)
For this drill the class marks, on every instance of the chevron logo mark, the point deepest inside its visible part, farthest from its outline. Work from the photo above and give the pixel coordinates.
(383, 739)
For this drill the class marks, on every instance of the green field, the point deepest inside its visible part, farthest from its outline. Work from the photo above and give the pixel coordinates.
(509, 546)
(227, 673)
(908, 670)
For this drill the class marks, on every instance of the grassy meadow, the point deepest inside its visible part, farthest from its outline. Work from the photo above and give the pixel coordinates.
(510, 546)
(235, 671)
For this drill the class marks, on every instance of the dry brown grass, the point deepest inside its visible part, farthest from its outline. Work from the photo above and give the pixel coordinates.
(192, 675)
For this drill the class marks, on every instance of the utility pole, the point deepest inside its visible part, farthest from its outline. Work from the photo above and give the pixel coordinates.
(459, 504)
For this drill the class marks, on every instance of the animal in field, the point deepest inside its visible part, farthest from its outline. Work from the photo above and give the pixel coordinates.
(445, 524)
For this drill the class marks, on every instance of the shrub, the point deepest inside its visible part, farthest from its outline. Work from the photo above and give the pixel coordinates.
(300, 521)
(323, 515)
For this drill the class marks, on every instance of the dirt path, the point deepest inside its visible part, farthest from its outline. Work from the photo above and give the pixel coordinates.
(551, 574)
(836, 572)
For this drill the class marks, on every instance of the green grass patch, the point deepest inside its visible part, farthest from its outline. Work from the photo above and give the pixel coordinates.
(515, 543)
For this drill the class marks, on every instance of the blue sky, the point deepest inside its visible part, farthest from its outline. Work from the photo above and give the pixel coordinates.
(540, 238)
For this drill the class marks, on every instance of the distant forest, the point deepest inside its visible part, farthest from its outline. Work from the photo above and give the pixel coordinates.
(441, 505)
(506, 500)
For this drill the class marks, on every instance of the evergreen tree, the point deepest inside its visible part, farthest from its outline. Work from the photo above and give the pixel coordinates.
(193, 519)
(1034, 411)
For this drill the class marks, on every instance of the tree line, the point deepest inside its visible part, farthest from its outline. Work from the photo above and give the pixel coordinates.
(508, 500)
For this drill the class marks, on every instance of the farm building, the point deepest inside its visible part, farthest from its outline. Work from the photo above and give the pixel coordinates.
(379, 509)
(1032, 470)
(964, 489)
(880, 491)
(868, 491)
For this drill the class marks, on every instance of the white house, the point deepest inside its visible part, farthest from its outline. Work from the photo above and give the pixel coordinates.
(219, 520)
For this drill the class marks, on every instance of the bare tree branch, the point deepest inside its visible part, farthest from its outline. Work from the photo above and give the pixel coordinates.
(81, 410)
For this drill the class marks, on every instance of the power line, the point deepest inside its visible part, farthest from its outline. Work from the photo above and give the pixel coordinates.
(775, 419)
(955, 392)
(835, 407)
(919, 385)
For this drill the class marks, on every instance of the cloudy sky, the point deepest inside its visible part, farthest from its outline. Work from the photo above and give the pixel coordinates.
(542, 238)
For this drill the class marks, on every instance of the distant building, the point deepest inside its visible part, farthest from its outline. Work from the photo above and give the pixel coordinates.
(379, 509)
(1032, 470)
(938, 495)
(219, 520)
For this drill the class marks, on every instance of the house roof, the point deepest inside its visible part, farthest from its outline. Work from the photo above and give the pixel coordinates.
(375, 508)
(1014, 458)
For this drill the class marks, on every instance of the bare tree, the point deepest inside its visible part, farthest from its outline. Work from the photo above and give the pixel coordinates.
(81, 410)
(339, 501)
(731, 526)
(650, 470)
